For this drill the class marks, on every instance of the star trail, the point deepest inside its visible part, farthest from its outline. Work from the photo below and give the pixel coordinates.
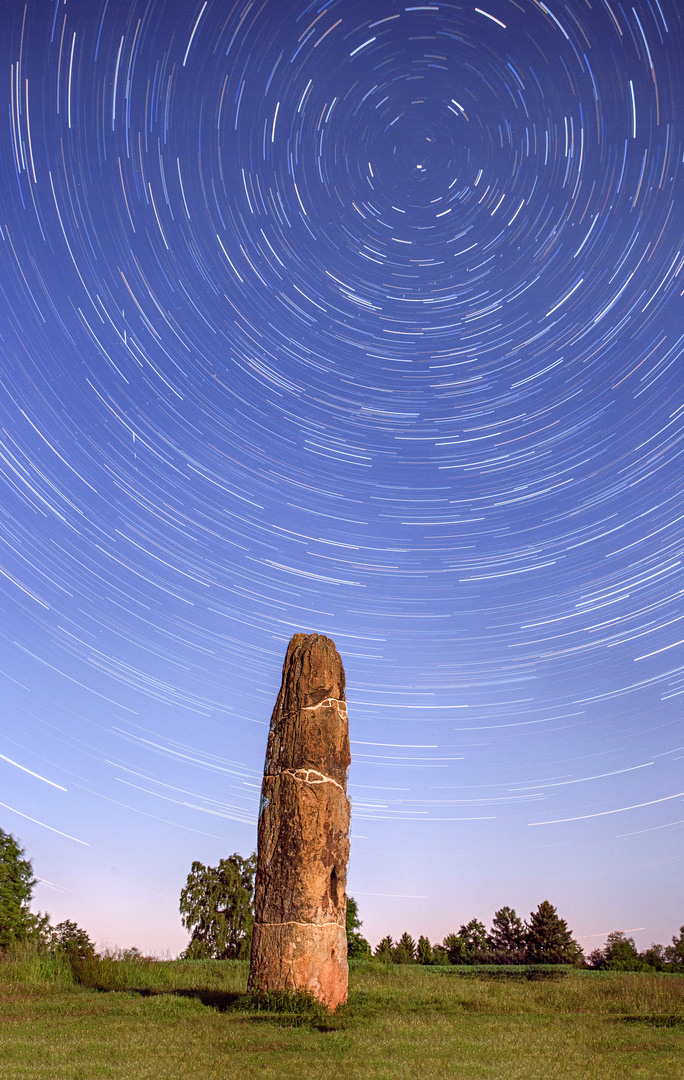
(363, 319)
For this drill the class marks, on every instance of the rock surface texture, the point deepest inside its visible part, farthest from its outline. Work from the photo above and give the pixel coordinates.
(300, 942)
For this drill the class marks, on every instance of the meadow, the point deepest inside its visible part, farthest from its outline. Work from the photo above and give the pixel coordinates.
(185, 1020)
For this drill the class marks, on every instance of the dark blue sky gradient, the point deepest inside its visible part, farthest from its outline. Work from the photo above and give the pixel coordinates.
(364, 319)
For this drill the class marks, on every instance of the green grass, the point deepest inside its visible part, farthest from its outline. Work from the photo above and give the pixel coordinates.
(193, 1019)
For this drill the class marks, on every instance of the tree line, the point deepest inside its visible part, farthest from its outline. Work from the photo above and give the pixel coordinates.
(544, 939)
(217, 907)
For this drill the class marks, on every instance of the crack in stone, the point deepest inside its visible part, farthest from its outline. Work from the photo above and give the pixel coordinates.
(304, 776)
(309, 708)
(293, 922)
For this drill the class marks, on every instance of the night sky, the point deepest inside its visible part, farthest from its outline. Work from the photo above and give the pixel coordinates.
(361, 319)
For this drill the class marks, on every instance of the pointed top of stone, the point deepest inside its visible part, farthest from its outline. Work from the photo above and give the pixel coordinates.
(312, 672)
(309, 728)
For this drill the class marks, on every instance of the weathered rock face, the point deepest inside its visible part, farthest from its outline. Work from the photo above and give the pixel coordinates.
(299, 940)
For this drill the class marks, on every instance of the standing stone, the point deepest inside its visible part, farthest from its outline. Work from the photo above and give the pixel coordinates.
(300, 941)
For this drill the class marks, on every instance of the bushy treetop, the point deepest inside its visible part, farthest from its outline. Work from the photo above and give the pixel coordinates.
(216, 906)
(69, 938)
(16, 890)
(384, 950)
(357, 946)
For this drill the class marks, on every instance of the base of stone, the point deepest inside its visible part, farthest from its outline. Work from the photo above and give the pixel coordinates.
(296, 956)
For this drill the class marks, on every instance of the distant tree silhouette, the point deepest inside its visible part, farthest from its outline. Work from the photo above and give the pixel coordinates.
(620, 953)
(545, 939)
(507, 937)
(469, 945)
(404, 951)
(675, 951)
(67, 937)
(424, 952)
(548, 940)
(454, 947)
(439, 955)
(654, 957)
(384, 950)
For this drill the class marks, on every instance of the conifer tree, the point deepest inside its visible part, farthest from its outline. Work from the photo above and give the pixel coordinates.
(425, 954)
(405, 950)
(384, 950)
(507, 936)
(548, 940)
(469, 945)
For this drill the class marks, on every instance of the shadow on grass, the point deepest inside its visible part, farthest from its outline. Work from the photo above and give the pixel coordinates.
(280, 1007)
(654, 1021)
(507, 973)
(222, 1000)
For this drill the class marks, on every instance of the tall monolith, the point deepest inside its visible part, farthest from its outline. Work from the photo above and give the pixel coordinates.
(300, 941)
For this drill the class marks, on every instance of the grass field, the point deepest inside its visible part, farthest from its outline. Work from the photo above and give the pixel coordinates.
(192, 1019)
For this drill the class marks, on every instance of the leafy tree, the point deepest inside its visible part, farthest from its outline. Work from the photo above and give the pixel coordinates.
(595, 958)
(507, 936)
(404, 951)
(655, 957)
(384, 950)
(475, 936)
(69, 938)
(132, 953)
(675, 951)
(17, 923)
(357, 945)
(216, 905)
(439, 955)
(620, 953)
(425, 953)
(454, 946)
(469, 945)
(548, 940)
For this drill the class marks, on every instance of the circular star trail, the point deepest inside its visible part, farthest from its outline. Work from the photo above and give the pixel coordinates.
(365, 320)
